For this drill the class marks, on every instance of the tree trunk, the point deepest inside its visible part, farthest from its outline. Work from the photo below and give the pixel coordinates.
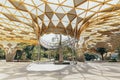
(119, 56)
(60, 55)
(102, 57)
(60, 51)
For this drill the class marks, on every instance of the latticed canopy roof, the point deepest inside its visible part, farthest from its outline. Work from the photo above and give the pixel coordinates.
(26, 20)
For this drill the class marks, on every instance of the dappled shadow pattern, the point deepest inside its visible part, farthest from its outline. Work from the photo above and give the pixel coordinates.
(81, 71)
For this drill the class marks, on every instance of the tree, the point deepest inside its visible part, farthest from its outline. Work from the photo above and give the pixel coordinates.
(118, 50)
(18, 54)
(101, 50)
(24, 47)
(28, 50)
(2, 54)
(67, 53)
(89, 57)
(60, 51)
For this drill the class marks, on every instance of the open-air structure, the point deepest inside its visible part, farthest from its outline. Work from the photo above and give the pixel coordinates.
(88, 24)
(88, 21)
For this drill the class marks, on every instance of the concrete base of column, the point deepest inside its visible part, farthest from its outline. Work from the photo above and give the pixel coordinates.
(9, 57)
(81, 58)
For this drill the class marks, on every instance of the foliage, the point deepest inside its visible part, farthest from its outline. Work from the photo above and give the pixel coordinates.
(28, 50)
(43, 52)
(113, 60)
(101, 50)
(89, 57)
(24, 48)
(67, 52)
(118, 50)
(2, 54)
(22, 45)
(35, 53)
(31, 52)
(18, 54)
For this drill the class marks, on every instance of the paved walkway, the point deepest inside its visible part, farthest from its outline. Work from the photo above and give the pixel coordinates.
(81, 71)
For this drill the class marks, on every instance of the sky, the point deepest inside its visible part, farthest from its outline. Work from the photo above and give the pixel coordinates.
(53, 37)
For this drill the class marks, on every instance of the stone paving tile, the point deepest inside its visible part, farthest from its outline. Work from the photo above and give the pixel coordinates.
(81, 71)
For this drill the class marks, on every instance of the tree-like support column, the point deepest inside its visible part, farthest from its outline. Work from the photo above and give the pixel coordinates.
(10, 50)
